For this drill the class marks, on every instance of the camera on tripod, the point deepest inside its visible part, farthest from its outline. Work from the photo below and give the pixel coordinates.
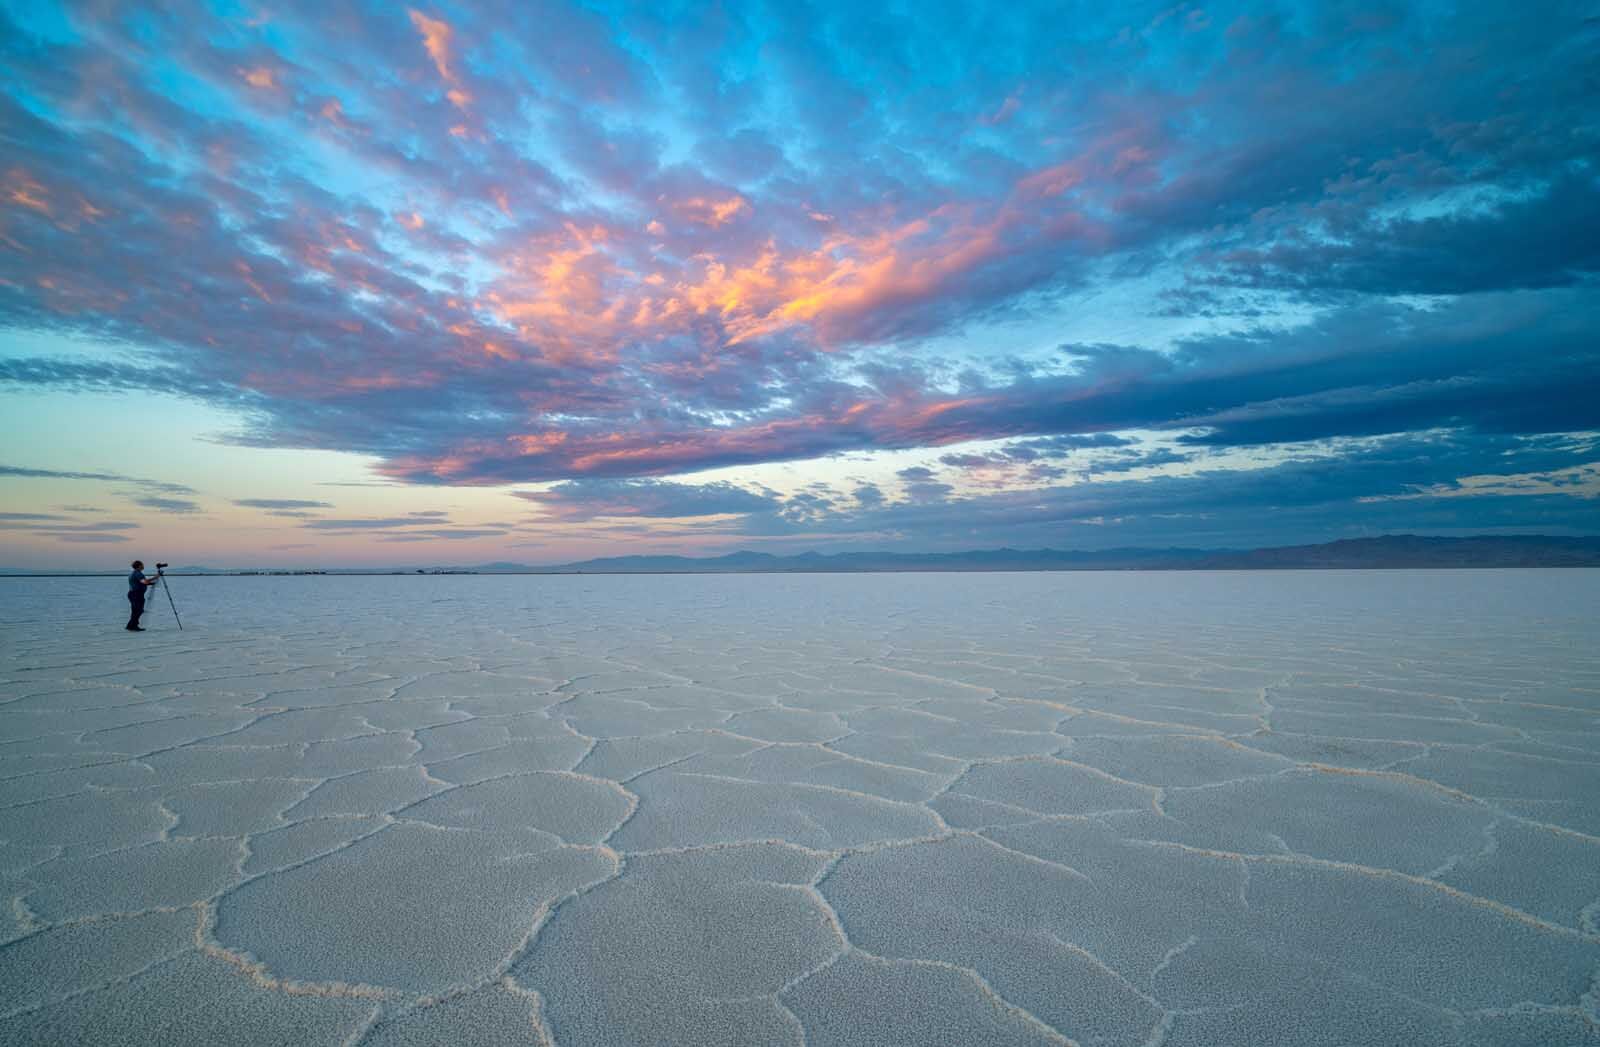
(159, 566)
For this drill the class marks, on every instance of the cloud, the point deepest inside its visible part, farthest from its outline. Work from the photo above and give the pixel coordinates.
(418, 519)
(925, 491)
(280, 503)
(1520, 362)
(868, 495)
(437, 39)
(1065, 443)
(1127, 461)
(581, 500)
(1544, 238)
(57, 527)
(443, 534)
(168, 505)
(291, 508)
(1411, 482)
(1091, 455)
(57, 474)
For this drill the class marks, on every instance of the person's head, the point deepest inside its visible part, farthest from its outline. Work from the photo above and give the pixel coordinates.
(138, 565)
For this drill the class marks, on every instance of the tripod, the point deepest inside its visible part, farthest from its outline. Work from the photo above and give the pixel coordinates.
(161, 578)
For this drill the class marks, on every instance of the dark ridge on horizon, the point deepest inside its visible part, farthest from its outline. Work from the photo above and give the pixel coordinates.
(1396, 551)
(1387, 551)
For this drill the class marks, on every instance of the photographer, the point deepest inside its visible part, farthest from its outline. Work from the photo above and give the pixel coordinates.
(138, 585)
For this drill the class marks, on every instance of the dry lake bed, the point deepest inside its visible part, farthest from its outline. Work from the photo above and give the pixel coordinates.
(1230, 809)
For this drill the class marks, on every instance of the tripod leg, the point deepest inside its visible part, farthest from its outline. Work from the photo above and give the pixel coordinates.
(170, 603)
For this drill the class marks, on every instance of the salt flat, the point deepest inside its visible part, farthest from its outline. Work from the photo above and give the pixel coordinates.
(1238, 809)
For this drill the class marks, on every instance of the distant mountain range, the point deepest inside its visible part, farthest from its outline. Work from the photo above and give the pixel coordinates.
(1387, 551)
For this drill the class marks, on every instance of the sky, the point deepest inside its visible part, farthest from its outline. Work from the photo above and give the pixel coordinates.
(313, 284)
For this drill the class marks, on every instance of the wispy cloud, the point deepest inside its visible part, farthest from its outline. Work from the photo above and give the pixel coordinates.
(293, 508)
(168, 505)
(580, 500)
(281, 503)
(417, 519)
(443, 534)
(58, 474)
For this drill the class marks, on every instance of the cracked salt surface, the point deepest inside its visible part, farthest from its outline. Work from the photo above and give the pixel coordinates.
(1095, 809)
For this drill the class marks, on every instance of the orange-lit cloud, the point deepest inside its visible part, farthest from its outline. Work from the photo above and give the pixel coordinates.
(711, 211)
(437, 38)
(262, 78)
(581, 288)
(571, 288)
(24, 190)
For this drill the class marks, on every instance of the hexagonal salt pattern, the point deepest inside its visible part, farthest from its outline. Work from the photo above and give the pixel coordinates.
(1093, 809)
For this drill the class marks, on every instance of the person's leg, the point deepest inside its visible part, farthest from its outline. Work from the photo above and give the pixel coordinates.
(136, 600)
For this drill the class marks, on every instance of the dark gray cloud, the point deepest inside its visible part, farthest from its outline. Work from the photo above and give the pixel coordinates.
(1126, 461)
(1398, 483)
(868, 495)
(925, 491)
(1544, 237)
(1047, 448)
(1065, 443)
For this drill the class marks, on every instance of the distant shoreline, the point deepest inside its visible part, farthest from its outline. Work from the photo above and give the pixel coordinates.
(838, 570)
(1388, 552)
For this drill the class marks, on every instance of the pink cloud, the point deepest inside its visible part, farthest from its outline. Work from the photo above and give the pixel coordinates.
(438, 39)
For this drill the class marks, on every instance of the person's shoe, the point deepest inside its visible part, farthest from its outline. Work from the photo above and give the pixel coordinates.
(134, 628)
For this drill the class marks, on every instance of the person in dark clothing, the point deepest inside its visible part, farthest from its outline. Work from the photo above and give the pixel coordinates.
(138, 585)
